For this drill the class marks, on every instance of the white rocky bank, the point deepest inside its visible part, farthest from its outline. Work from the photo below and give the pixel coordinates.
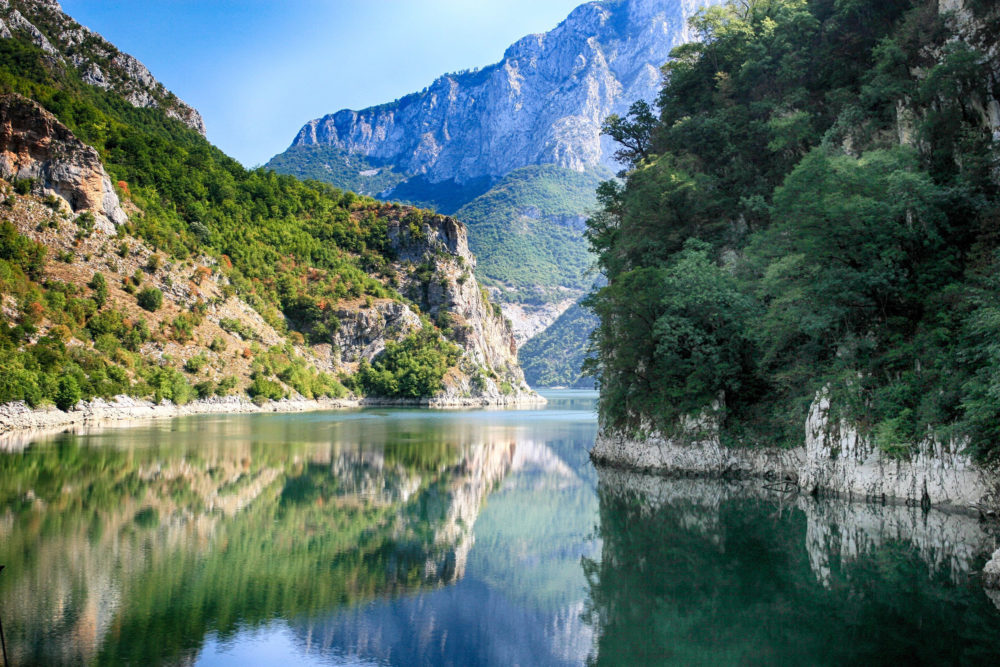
(20, 423)
(19, 417)
(836, 460)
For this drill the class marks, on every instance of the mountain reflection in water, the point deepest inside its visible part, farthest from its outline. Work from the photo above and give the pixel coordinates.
(148, 545)
(454, 537)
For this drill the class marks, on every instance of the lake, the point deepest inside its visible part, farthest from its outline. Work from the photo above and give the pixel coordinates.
(460, 537)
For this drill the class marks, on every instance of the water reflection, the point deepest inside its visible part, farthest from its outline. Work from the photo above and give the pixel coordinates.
(190, 540)
(475, 537)
(703, 572)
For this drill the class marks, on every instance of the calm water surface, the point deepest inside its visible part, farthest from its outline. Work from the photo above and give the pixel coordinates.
(400, 537)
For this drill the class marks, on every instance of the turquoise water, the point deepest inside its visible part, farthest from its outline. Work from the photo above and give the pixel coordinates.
(400, 537)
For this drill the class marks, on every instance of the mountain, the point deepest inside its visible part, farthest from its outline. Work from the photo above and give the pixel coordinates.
(457, 144)
(543, 103)
(137, 259)
(97, 62)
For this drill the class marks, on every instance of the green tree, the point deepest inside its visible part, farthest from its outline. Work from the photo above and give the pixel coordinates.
(676, 343)
(68, 394)
(100, 287)
(634, 132)
(150, 299)
(412, 368)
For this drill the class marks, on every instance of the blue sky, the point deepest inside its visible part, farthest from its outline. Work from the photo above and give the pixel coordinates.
(257, 70)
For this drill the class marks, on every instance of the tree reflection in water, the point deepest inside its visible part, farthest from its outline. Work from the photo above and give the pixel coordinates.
(156, 546)
(708, 572)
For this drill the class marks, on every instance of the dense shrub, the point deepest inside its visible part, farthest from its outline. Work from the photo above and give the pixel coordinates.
(150, 299)
(412, 368)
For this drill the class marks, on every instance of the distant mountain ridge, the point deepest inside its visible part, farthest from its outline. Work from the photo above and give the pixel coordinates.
(542, 104)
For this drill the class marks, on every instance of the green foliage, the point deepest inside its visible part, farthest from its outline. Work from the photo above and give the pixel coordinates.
(412, 368)
(100, 287)
(226, 386)
(168, 383)
(23, 186)
(525, 231)
(151, 298)
(85, 225)
(680, 337)
(195, 363)
(554, 358)
(828, 256)
(634, 133)
(291, 369)
(237, 328)
(68, 393)
(20, 252)
(265, 389)
(329, 164)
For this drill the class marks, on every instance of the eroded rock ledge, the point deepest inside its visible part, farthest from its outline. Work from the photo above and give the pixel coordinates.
(836, 460)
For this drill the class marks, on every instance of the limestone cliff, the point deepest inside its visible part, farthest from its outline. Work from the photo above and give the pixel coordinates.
(836, 459)
(542, 104)
(433, 267)
(98, 62)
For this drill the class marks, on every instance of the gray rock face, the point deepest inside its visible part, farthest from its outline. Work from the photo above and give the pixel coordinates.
(433, 266)
(18, 22)
(836, 460)
(542, 104)
(453, 297)
(363, 333)
(98, 61)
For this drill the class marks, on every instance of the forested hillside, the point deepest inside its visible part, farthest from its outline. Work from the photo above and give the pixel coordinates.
(555, 357)
(527, 231)
(815, 208)
(333, 278)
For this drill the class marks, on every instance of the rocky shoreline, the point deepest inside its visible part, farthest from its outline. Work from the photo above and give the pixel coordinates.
(835, 461)
(19, 417)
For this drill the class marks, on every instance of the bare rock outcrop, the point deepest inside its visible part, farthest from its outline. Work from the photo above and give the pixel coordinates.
(34, 145)
(438, 272)
(364, 332)
(836, 460)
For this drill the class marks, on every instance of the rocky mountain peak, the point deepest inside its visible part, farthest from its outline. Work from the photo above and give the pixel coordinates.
(542, 104)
